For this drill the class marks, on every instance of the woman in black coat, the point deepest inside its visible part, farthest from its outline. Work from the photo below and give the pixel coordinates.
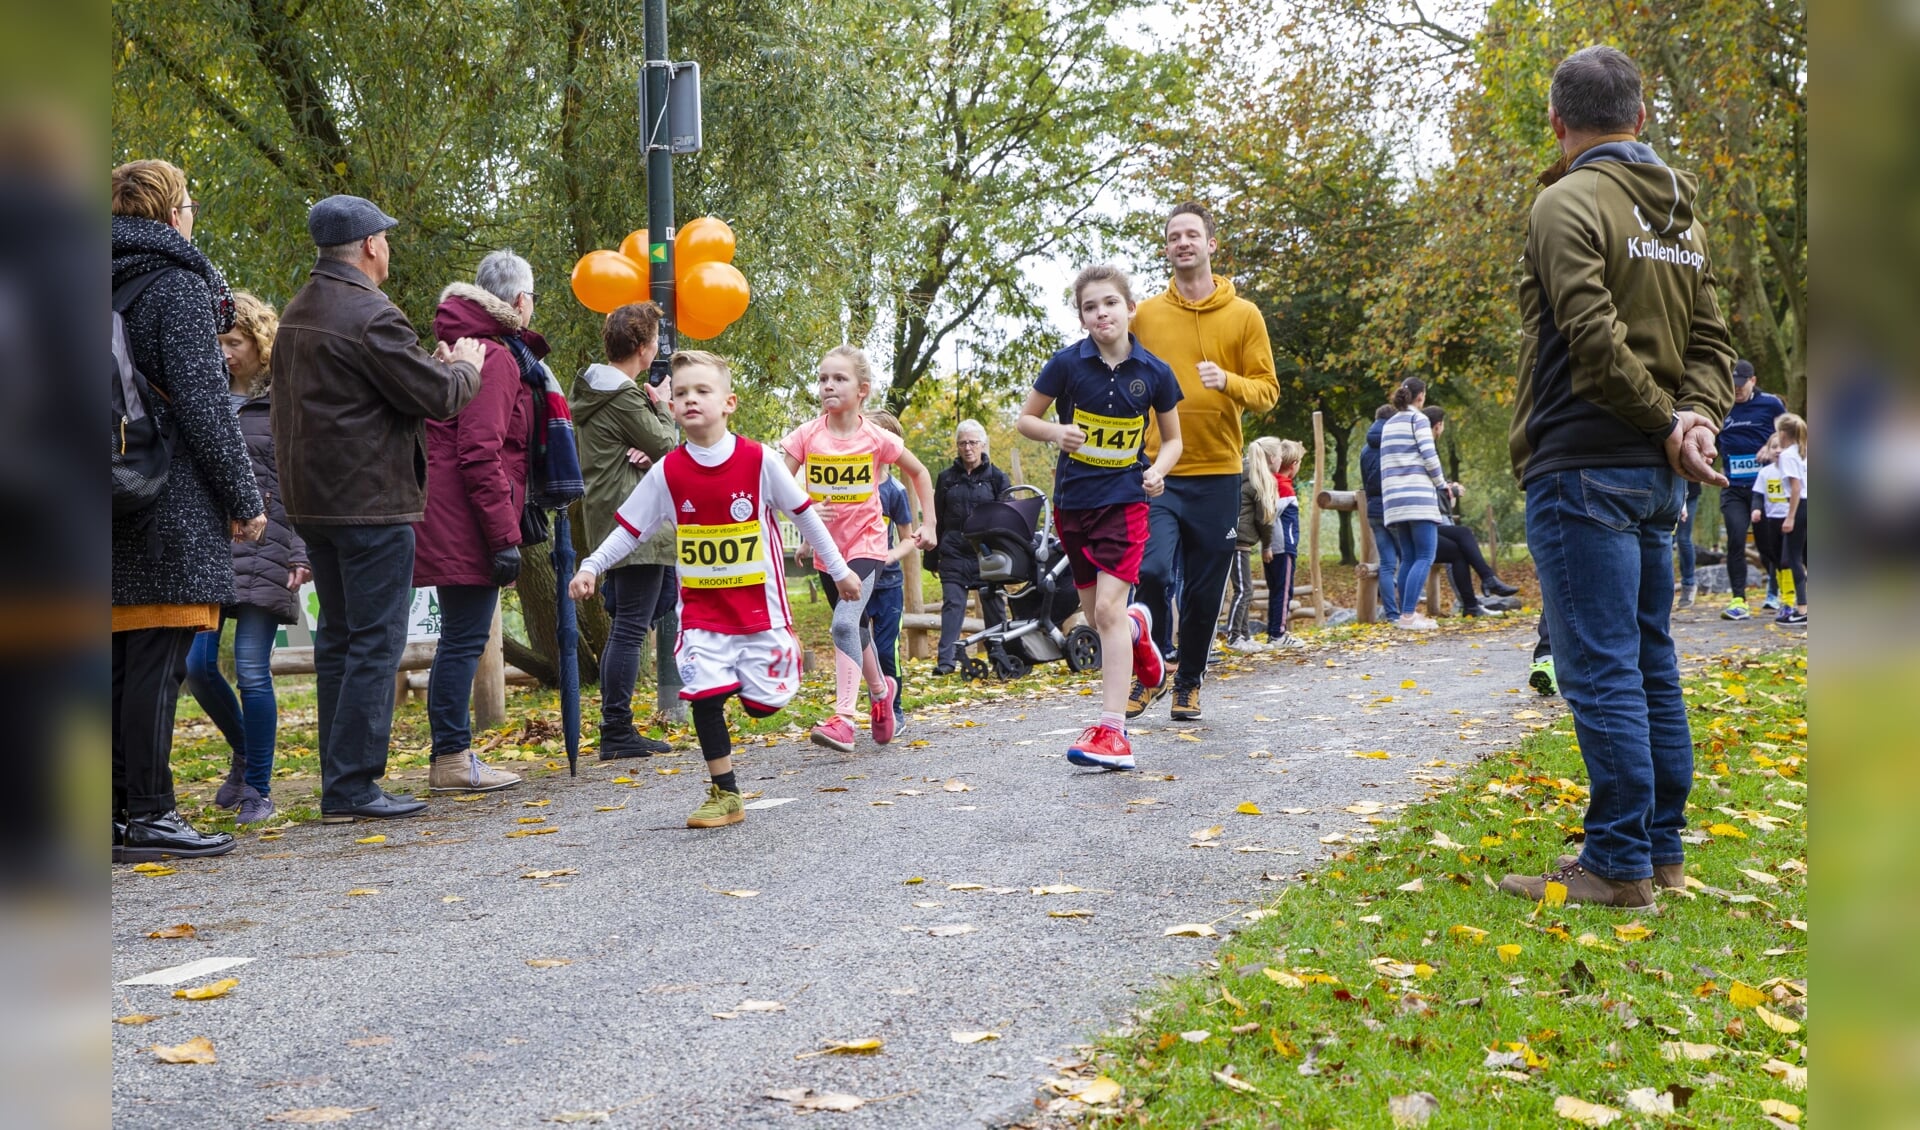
(971, 480)
(267, 575)
(171, 566)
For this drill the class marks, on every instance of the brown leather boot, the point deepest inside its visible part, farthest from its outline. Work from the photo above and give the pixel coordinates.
(1583, 888)
(1671, 876)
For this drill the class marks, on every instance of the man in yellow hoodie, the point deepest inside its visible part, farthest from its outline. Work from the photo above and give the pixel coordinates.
(1217, 344)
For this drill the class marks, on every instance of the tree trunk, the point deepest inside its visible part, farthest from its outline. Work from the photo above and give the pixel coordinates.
(1339, 479)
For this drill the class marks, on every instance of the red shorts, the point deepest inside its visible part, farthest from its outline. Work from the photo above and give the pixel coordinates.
(1105, 539)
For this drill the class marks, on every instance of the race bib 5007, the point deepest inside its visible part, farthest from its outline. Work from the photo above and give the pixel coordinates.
(721, 557)
(839, 478)
(1112, 441)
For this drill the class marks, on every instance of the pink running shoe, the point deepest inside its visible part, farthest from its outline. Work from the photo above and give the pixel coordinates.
(835, 733)
(881, 711)
(1101, 747)
(1148, 667)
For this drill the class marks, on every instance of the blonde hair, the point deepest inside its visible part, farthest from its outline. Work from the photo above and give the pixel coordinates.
(254, 318)
(1263, 463)
(1292, 451)
(862, 368)
(688, 358)
(150, 189)
(1102, 272)
(887, 421)
(1794, 427)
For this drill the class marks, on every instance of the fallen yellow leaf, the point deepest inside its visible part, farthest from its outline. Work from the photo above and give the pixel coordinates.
(973, 1037)
(1507, 953)
(549, 874)
(1190, 930)
(1556, 894)
(1372, 755)
(1680, 1051)
(1247, 808)
(1785, 1111)
(136, 1018)
(1100, 1092)
(1795, 1077)
(549, 962)
(541, 803)
(531, 820)
(525, 832)
(219, 988)
(741, 894)
(1726, 830)
(1632, 932)
(1204, 834)
(1745, 996)
(1282, 977)
(197, 1050)
(364, 891)
(916, 879)
(1781, 1024)
(318, 1114)
(1579, 1110)
(956, 785)
(1471, 933)
(371, 840)
(1069, 914)
(152, 869)
(869, 1046)
(182, 930)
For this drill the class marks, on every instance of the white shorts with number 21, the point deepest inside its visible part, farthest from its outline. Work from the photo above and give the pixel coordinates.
(763, 666)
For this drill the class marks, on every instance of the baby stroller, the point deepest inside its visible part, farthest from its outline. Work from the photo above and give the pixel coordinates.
(1022, 560)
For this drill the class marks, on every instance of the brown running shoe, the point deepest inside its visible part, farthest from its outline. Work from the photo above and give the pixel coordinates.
(1186, 704)
(1142, 696)
(1583, 888)
(1672, 876)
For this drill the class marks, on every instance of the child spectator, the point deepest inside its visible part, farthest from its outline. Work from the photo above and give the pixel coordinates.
(720, 492)
(1258, 501)
(1791, 464)
(843, 453)
(888, 602)
(1102, 389)
(267, 576)
(1769, 505)
(1283, 549)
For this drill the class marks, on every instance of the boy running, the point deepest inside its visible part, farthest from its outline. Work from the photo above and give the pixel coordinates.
(1104, 387)
(721, 492)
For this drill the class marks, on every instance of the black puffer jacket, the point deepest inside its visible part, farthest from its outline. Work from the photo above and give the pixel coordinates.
(261, 568)
(172, 328)
(955, 494)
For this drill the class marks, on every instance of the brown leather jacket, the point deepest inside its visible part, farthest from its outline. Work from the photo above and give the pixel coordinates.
(351, 391)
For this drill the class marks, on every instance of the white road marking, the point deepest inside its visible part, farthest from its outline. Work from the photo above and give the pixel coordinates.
(173, 975)
(770, 802)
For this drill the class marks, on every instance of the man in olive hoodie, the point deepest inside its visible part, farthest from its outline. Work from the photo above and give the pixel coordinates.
(1625, 374)
(1216, 343)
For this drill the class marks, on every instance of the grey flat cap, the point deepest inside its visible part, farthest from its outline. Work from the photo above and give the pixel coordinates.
(344, 219)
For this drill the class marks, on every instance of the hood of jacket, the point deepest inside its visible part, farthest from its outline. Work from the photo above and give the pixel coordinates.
(467, 311)
(1223, 294)
(1662, 198)
(598, 386)
(1375, 432)
(141, 245)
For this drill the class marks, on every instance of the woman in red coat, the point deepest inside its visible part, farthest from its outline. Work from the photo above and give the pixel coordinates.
(468, 547)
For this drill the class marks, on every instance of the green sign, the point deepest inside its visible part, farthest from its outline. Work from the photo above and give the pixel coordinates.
(658, 253)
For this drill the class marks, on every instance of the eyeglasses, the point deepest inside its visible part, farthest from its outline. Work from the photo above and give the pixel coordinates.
(972, 443)
(194, 206)
(533, 295)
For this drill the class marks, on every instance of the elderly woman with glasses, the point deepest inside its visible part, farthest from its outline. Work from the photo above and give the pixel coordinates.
(969, 481)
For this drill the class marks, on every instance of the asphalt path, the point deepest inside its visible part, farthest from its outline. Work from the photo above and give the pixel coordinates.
(416, 1003)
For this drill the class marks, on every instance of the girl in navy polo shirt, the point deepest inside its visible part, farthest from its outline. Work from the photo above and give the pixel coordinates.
(1103, 389)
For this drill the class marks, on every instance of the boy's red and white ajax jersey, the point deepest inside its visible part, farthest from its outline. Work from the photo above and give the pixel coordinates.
(727, 544)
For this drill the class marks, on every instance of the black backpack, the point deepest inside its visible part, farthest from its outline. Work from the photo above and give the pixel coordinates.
(142, 446)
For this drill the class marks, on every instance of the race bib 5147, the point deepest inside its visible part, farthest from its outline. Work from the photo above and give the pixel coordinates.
(1112, 441)
(721, 557)
(839, 478)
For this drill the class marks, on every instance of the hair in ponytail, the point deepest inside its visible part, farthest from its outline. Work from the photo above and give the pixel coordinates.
(1409, 391)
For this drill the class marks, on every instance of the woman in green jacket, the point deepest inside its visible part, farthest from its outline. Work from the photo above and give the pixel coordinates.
(623, 427)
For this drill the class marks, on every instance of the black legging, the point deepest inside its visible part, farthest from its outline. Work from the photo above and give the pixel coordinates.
(1459, 550)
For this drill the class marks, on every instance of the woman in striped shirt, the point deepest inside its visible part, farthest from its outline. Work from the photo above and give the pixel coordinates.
(1411, 481)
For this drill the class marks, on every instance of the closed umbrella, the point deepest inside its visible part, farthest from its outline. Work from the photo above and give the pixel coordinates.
(567, 636)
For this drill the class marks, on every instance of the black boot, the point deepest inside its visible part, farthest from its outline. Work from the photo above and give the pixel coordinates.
(1494, 586)
(167, 835)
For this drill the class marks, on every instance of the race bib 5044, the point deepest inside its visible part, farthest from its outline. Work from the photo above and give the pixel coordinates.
(721, 557)
(1112, 441)
(839, 478)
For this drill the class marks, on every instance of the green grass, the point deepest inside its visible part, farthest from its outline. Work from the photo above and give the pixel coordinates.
(1582, 1006)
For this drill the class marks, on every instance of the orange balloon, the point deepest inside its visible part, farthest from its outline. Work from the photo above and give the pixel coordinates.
(696, 329)
(705, 240)
(604, 281)
(713, 293)
(634, 247)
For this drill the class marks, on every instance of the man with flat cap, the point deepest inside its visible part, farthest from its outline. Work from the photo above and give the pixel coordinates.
(351, 391)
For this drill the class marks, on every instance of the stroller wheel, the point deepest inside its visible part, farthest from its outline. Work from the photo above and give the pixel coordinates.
(1083, 649)
(1007, 665)
(975, 668)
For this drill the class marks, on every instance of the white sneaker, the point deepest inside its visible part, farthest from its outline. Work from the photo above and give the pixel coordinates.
(1417, 623)
(1248, 644)
(1285, 641)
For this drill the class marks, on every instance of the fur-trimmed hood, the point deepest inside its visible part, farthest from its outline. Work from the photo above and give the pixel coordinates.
(470, 311)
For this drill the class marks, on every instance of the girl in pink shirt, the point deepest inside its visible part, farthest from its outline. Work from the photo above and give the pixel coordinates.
(838, 458)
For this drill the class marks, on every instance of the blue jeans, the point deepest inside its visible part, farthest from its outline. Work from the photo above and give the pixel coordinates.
(1602, 543)
(250, 721)
(1389, 572)
(466, 618)
(886, 607)
(1414, 543)
(364, 578)
(631, 594)
(1683, 536)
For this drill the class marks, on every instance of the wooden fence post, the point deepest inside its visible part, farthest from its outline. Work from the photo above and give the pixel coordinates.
(1313, 533)
(490, 681)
